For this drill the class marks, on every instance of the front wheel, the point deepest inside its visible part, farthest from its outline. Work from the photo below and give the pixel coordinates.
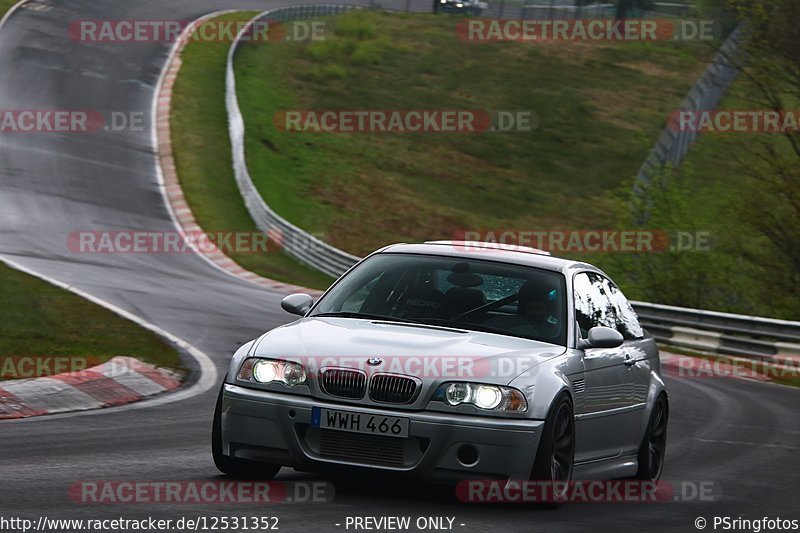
(555, 457)
(654, 446)
(232, 466)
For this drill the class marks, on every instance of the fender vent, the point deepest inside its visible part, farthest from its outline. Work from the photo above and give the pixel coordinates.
(579, 386)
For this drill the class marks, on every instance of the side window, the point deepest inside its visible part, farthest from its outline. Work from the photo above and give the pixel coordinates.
(629, 324)
(593, 304)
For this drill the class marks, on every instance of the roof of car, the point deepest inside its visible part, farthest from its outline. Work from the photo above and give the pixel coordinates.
(521, 255)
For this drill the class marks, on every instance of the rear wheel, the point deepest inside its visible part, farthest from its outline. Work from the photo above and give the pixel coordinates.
(654, 446)
(555, 457)
(232, 466)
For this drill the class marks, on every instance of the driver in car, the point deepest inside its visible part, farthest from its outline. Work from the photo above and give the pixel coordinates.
(537, 312)
(539, 304)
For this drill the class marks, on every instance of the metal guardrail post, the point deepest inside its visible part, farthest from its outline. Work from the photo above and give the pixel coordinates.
(705, 94)
(297, 243)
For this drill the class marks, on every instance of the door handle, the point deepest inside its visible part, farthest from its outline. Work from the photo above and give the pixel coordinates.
(629, 361)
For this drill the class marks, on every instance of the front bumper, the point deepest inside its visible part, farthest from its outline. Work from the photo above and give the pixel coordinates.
(276, 428)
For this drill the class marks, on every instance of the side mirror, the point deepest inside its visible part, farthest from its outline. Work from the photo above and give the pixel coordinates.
(601, 337)
(297, 304)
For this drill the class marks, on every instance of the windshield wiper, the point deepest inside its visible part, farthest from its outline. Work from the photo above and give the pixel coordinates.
(394, 319)
(366, 316)
(468, 326)
(439, 323)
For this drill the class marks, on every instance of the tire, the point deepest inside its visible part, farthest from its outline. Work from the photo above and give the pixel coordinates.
(555, 458)
(654, 444)
(234, 467)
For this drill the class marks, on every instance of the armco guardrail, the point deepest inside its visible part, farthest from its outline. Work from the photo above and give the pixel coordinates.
(545, 9)
(297, 243)
(724, 333)
(672, 146)
(314, 252)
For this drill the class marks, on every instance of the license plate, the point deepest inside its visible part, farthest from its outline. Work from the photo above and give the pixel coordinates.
(390, 426)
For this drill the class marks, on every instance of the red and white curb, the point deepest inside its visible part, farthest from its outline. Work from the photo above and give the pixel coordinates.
(176, 201)
(121, 380)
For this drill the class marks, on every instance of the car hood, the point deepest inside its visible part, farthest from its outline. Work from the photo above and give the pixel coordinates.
(432, 354)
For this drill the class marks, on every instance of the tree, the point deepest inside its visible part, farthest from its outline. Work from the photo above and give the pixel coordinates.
(770, 65)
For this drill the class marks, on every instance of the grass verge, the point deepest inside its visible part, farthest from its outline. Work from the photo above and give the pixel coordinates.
(726, 188)
(5, 5)
(40, 319)
(600, 108)
(202, 152)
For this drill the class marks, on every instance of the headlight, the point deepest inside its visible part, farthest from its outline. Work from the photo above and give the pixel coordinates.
(488, 397)
(458, 393)
(266, 371)
(272, 370)
(293, 374)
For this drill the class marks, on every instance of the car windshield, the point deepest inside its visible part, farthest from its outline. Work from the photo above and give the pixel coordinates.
(477, 295)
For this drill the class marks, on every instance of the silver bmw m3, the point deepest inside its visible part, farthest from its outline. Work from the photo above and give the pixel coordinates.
(451, 360)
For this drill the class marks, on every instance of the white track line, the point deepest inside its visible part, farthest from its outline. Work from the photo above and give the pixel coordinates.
(207, 368)
(11, 11)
